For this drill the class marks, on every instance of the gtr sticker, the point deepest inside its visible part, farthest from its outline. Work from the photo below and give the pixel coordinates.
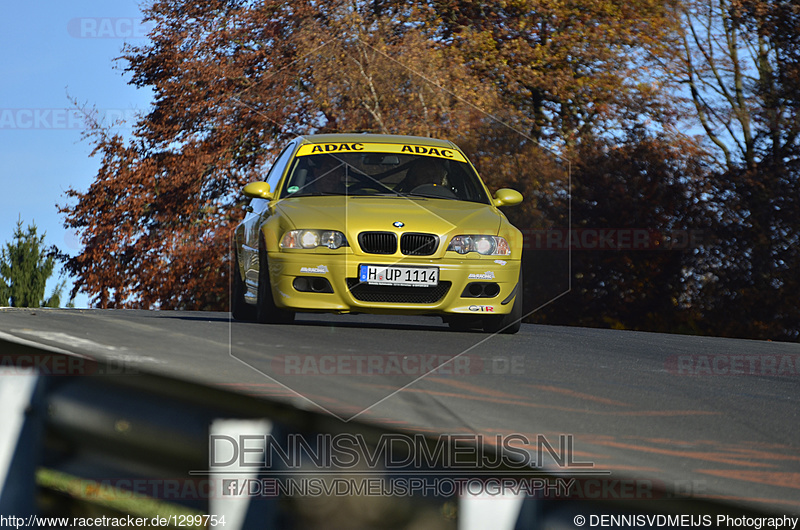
(348, 147)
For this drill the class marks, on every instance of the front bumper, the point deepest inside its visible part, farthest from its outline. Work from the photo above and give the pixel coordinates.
(453, 295)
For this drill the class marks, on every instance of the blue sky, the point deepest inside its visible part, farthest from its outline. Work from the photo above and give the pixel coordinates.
(52, 50)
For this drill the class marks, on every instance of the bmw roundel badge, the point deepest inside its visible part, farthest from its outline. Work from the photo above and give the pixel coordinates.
(398, 224)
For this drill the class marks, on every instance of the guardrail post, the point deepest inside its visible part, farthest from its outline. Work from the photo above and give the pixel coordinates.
(239, 508)
(21, 427)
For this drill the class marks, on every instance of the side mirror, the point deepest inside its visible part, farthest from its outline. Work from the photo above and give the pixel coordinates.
(507, 197)
(258, 190)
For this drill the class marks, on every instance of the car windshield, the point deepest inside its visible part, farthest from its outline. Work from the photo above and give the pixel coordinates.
(383, 174)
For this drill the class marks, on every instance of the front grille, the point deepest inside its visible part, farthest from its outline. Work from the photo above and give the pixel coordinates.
(378, 242)
(412, 244)
(397, 294)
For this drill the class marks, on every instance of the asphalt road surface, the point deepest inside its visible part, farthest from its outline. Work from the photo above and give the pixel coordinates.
(714, 418)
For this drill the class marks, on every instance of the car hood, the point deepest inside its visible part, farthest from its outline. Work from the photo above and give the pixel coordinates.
(352, 215)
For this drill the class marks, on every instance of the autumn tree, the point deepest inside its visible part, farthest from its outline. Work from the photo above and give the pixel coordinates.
(156, 221)
(752, 288)
(719, 63)
(638, 219)
(584, 80)
(573, 69)
(232, 81)
(777, 26)
(25, 266)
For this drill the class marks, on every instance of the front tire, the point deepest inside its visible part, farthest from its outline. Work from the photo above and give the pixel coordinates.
(266, 310)
(240, 309)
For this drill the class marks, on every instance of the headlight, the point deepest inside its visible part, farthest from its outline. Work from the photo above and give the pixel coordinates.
(485, 245)
(313, 239)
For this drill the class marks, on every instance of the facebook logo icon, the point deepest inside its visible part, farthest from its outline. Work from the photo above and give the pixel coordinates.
(229, 486)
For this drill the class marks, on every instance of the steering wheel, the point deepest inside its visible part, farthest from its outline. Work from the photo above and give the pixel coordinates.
(369, 185)
(434, 190)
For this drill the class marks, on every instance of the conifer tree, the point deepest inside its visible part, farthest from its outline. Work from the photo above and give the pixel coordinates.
(25, 266)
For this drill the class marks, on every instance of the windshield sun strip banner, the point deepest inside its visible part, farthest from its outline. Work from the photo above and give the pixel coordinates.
(363, 147)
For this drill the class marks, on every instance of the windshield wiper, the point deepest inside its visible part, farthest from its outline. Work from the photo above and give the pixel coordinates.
(314, 194)
(387, 194)
(422, 196)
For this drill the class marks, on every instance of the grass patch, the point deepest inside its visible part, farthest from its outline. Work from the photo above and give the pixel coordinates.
(105, 496)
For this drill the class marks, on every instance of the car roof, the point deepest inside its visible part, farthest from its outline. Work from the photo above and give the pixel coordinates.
(375, 138)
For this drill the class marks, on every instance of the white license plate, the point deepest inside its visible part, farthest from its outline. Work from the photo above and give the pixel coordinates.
(393, 275)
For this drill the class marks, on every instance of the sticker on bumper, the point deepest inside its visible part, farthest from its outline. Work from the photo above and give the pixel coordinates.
(319, 269)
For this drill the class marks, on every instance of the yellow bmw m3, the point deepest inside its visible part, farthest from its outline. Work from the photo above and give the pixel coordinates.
(366, 223)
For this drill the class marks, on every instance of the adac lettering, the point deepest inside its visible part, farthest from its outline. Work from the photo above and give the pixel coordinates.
(336, 148)
(422, 150)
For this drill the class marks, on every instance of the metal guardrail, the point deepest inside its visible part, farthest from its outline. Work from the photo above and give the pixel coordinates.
(121, 431)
